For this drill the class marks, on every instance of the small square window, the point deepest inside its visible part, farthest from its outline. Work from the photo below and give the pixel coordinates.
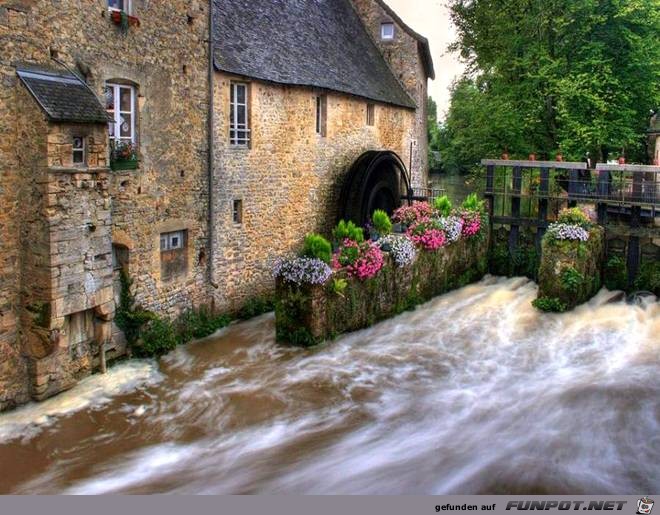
(371, 114)
(387, 31)
(78, 151)
(171, 241)
(237, 214)
(120, 5)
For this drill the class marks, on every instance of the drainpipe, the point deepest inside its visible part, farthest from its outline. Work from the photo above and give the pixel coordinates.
(211, 152)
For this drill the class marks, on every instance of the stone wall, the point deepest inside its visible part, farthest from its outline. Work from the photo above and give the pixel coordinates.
(317, 313)
(58, 224)
(570, 271)
(405, 60)
(289, 179)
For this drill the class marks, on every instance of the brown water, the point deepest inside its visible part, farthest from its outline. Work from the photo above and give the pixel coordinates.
(474, 392)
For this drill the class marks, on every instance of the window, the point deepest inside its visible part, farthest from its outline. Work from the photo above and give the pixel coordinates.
(120, 104)
(171, 240)
(238, 212)
(321, 114)
(371, 114)
(78, 151)
(239, 126)
(387, 31)
(119, 257)
(173, 254)
(120, 5)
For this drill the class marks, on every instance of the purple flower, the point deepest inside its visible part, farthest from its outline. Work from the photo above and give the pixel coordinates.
(302, 270)
(560, 231)
(401, 248)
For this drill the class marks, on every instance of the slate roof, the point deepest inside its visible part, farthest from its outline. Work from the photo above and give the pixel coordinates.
(317, 43)
(62, 96)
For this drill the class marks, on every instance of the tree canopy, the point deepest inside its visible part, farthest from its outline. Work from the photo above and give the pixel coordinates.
(543, 76)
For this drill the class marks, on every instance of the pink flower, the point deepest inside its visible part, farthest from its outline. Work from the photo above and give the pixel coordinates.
(429, 238)
(363, 261)
(471, 223)
(417, 213)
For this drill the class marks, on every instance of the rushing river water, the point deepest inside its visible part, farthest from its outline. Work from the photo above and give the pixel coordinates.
(474, 392)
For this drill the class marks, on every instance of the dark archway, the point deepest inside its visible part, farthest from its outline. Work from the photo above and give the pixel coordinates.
(377, 180)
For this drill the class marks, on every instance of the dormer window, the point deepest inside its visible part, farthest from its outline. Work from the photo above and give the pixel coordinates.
(120, 5)
(387, 31)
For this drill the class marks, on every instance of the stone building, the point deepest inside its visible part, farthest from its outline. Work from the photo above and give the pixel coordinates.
(186, 142)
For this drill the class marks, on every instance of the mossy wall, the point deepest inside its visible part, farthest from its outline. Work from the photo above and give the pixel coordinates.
(570, 271)
(308, 315)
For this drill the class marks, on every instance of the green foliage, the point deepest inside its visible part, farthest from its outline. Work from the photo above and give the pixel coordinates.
(571, 280)
(255, 307)
(316, 246)
(549, 74)
(200, 323)
(381, 222)
(472, 203)
(347, 230)
(339, 287)
(129, 318)
(40, 312)
(550, 305)
(648, 277)
(291, 310)
(157, 338)
(574, 216)
(616, 274)
(442, 205)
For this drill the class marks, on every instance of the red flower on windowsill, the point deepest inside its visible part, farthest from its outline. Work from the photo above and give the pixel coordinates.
(126, 20)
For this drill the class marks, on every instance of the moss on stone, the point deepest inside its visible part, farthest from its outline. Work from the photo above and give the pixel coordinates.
(570, 271)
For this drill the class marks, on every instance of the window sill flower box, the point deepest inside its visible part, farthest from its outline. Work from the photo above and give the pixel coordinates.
(123, 156)
(124, 20)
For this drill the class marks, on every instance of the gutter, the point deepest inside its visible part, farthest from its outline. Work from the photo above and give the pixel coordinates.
(211, 153)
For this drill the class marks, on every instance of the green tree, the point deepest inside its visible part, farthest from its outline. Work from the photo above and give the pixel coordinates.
(543, 75)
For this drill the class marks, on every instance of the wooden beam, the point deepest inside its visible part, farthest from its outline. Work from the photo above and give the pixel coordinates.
(628, 168)
(557, 165)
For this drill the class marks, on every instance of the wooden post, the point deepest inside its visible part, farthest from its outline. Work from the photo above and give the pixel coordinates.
(103, 365)
(603, 195)
(490, 198)
(635, 222)
(573, 186)
(544, 189)
(514, 235)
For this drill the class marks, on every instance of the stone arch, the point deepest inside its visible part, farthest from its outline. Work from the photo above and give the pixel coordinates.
(377, 180)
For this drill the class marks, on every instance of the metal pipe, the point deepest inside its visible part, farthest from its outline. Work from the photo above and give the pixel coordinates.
(211, 151)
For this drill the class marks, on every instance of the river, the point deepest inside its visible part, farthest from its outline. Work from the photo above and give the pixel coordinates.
(474, 392)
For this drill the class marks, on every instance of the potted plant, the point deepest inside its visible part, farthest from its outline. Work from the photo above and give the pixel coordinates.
(381, 225)
(124, 20)
(123, 156)
(559, 157)
(505, 154)
(532, 156)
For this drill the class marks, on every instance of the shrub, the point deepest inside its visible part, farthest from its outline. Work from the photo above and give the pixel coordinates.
(550, 305)
(427, 235)
(302, 270)
(418, 212)
(348, 230)
(156, 339)
(316, 246)
(361, 260)
(196, 324)
(471, 223)
(401, 248)
(381, 222)
(472, 203)
(339, 286)
(571, 280)
(256, 306)
(129, 318)
(443, 205)
(571, 232)
(648, 278)
(574, 216)
(616, 274)
(452, 226)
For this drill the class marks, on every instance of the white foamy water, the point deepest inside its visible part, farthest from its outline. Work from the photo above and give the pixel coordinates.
(475, 392)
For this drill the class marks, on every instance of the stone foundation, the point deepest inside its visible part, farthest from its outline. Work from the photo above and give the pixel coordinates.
(570, 271)
(311, 314)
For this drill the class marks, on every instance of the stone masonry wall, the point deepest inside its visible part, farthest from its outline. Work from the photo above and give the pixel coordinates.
(403, 56)
(290, 178)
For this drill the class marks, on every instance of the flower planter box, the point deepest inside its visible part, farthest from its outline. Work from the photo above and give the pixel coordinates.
(307, 315)
(118, 18)
(128, 164)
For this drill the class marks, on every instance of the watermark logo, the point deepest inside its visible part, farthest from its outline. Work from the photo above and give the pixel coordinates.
(644, 506)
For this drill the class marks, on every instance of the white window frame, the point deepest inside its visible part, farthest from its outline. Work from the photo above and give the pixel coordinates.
(82, 151)
(127, 7)
(116, 114)
(167, 238)
(387, 36)
(234, 127)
